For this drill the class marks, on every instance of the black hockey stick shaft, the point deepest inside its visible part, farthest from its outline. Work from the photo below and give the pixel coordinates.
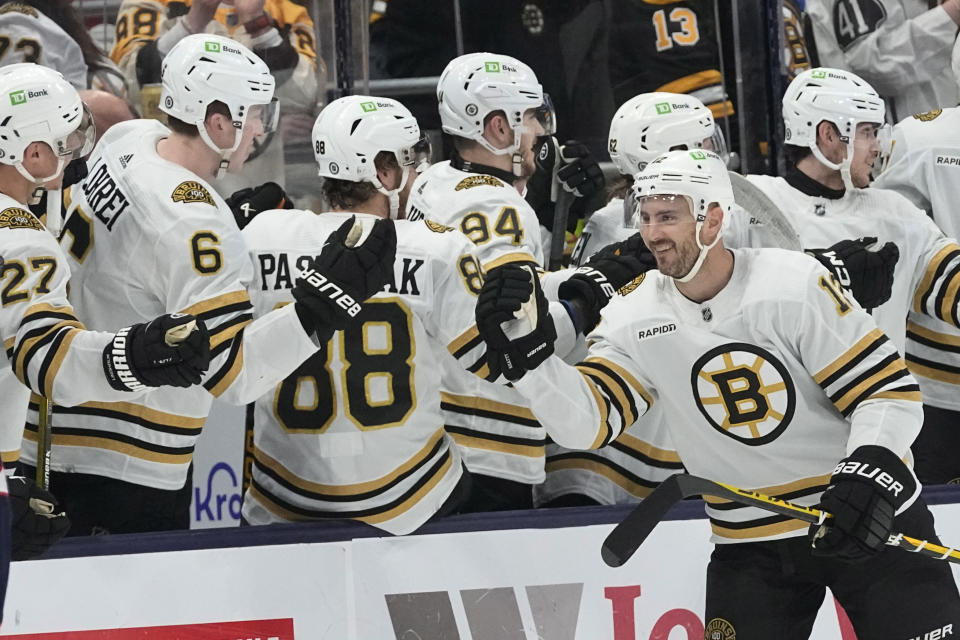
(627, 536)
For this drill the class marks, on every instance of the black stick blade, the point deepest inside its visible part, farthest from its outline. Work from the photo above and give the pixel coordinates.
(627, 536)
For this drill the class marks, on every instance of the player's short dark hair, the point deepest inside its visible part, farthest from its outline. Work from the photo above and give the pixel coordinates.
(795, 154)
(346, 195)
(620, 188)
(179, 126)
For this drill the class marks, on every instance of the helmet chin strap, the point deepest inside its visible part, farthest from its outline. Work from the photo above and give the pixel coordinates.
(223, 153)
(700, 258)
(38, 188)
(393, 195)
(843, 167)
(514, 150)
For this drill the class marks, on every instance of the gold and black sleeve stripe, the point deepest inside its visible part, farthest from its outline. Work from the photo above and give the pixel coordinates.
(588, 461)
(531, 445)
(943, 278)
(46, 332)
(613, 387)
(229, 369)
(471, 351)
(111, 441)
(226, 317)
(510, 258)
(846, 363)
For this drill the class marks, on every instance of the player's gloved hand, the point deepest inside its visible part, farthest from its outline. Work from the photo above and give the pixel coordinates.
(863, 272)
(172, 350)
(570, 167)
(865, 491)
(330, 291)
(592, 286)
(247, 203)
(514, 321)
(37, 521)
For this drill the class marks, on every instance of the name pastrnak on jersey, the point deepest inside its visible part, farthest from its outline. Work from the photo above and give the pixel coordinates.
(45, 347)
(924, 167)
(766, 386)
(491, 422)
(926, 279)
(356, 431)
(146, 237)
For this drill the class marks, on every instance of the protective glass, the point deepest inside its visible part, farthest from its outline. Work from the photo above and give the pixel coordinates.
(418, 156)
(665, 216)
(718, 144)
(78, 142)
(885, 142)
(546, 115)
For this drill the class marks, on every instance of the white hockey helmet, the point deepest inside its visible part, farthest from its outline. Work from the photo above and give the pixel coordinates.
(650, 124)
(39, 105)
(840, 97)
(475, 85)
(700, 177)
(204, 68)
(350, 132)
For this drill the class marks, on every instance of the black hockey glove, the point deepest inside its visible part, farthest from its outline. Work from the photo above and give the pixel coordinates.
(570, 167)
(37, 522)
(172, 350)
(331, 289)
(592, 286)
(514, 320)
(864, 273)
(865, 491)
(247, 203)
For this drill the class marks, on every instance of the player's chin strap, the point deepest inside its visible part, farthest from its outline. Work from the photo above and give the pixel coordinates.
(703, 254)
(224, 153)
(457, 162)
(393, 195)
(843, 167)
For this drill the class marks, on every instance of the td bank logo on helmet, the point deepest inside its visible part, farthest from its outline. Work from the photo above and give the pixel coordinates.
(217, 47)
(497, 67)
(21, 96)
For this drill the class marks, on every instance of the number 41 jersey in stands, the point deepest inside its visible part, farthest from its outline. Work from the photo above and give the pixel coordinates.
(356, 432)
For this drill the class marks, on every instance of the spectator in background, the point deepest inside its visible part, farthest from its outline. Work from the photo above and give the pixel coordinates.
(280, 32)
(563, 41)
(107, 110)
(51, 33)
(901, 47)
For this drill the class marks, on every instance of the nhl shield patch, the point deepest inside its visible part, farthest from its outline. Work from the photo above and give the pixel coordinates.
(16, 218)
(192, 191)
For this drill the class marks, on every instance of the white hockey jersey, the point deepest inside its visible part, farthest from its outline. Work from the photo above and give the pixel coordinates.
(765, 386)
(45, 346)
(356, 431)
(606, 225)
(901, 47)
(146, 237)
(925, 168)
(33, 37)
(498, 434)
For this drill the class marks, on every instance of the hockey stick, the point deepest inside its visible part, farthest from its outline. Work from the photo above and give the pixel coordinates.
(627, 536)
(756, 202)
(558, 235)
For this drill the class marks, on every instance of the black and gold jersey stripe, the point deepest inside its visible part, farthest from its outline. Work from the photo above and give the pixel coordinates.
(226, 317)
(614, 391)
(474, 438)
(146, 417)
(46, 332)
(110, 441)
(471, 351)
(938, 293)
(805, 490)
(945, 344)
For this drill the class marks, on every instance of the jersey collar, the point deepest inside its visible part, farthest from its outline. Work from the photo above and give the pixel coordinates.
(802, 182)
(457, 162)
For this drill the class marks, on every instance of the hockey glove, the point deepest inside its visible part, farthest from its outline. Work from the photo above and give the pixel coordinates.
(172, 350)
(247, 203)
(570, 167)
(37, 523)
(592, 286)
(514, 321)
(865, 492)
(864, 273)
(331, 289)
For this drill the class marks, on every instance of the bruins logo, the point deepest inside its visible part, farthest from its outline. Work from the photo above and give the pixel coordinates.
(927, 116)
(477, 181)
(633, 284)
(17, 7)
(436, 227)
(15, 218)
(720, 629)
(744, 392)
(192, 191)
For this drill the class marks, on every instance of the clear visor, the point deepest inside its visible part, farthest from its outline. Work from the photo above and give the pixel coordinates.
(718, 145)
(546, 115)
(885, 143)
(267, 114)
(663, 210)
(78, 142)
(418, 156)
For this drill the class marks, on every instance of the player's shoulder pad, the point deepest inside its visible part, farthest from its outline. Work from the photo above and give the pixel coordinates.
(19, 218)
(192, 191)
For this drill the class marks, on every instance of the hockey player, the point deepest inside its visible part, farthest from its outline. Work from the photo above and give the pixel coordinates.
(831, 119)
(766, 383)
(923, 166)
(356, 431)
(495, 109)
(46, 347)
(147, 234)
(901, 47)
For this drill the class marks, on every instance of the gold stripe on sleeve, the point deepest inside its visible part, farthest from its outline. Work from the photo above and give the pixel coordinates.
(851, 353)
(927, 281)
(843, 403)
(626, 375)
(211, 304)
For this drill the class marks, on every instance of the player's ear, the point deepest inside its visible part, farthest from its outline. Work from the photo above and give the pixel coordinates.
(828, 139)
(497, 130)
(714, 221)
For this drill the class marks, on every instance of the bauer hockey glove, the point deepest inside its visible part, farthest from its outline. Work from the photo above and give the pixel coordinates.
(866, 490)
(570, 167)
(171, 350)
(37, 521)
(592, 286)
(247, 203)
(331, 290)
(514, 320)
(864, 273)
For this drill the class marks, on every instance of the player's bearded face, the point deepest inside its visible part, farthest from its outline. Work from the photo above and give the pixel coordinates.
(532, 129)
(669, 231)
